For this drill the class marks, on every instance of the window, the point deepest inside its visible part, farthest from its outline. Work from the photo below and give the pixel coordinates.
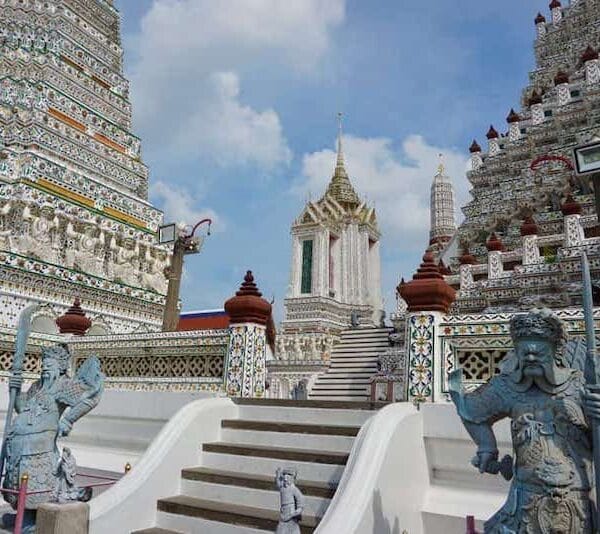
(548, 113)
(575, 93)
(307, 262)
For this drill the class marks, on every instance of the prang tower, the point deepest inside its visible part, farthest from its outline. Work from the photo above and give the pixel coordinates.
(530, 217)
(443, 221)
(74, 213)
(335, 262)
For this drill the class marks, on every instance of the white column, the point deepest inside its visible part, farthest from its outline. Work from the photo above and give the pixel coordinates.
(541, 29)
(493, 147)
(531, 250)
(466, 277)
(495, 266)
(514, 133)
(592, 72)
(294, 289)
(537, 114)
(557, 15)
(476, 160)
(564, 94)
(344, 270)
(375, 281)
(573, 231)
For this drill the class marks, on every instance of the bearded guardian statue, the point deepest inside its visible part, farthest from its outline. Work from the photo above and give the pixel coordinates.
(542, 389)
(43, 414)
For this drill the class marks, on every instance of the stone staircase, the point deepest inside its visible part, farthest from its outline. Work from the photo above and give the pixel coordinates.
(353, 363)
(233, 490)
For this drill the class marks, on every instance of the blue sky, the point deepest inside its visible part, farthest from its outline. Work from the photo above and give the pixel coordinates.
(235, 102)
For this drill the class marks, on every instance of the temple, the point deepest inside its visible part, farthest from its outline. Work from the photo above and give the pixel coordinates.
(442, 210)
(74, 212)
(530, 216)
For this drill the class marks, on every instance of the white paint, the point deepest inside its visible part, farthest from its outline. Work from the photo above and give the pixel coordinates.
(131, 502)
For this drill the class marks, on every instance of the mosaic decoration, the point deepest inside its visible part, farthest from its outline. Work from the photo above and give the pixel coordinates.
(74, 211)
(246, 361)
(421, 332)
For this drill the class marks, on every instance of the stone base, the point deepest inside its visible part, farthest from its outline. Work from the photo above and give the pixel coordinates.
(71, 518)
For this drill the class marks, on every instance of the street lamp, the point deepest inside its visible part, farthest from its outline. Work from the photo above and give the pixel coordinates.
(184, 243)
(587, 163)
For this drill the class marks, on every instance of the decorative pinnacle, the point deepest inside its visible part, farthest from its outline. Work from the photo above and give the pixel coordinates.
(340, 154)
(441, 168)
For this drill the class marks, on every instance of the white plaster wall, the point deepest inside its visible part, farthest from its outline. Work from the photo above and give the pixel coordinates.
(386, 477)
(131, 503)
(120, 428)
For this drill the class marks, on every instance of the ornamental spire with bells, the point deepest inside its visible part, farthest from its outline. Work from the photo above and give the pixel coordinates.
(443, 223)
(340, 187)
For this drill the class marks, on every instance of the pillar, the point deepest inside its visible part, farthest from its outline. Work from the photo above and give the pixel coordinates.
(245, 369)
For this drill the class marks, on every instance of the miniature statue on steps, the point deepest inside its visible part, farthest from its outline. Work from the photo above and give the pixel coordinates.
(292, 502)
(542, 389)
(44, 413)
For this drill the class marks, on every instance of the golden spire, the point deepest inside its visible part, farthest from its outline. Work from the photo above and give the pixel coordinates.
(340, 154)
(441, 167)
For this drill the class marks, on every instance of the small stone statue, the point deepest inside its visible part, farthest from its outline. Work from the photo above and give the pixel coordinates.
(292, 502)
(354, 319)
(65, 473)
(542, 389)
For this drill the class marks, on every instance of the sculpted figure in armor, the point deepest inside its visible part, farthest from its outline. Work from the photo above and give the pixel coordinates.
(87, 254)
(40, 238)
(44, 413)
(125, 261)
(154, 276)
(291, 502)
(541, 388)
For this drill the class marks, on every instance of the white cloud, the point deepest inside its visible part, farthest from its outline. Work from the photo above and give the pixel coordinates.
(396, 182)
(180, 206)
(192, 55)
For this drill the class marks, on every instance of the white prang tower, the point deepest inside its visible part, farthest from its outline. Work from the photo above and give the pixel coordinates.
(443, 221)
(335, 268)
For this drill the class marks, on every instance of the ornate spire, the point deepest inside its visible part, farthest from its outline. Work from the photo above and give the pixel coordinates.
(340, 187)
(443, 224)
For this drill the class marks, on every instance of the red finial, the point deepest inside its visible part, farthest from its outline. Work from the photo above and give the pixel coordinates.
(248, 306)
(74, 321)
(561, 77)
(467, 258)
(529, 227)
(474, 148)
(513, 117)
(570, 206)
(492, 133)
(589, 55)
(554, 4)
(540, 18)
(535, 98)
(494, 243)
(427, 291)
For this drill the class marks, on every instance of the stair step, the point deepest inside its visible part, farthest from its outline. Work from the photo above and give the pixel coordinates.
(156, 530)
(273, 426)
(231, 514)
(230, 478)
(336, 387)
(334, 405)
(282, 453)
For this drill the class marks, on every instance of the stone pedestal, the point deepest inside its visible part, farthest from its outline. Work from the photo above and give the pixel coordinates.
(71, 518)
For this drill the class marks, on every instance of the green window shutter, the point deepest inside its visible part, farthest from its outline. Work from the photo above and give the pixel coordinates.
(307, 262)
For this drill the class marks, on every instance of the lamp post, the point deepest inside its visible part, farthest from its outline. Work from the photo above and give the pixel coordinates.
(587, 163)
(184, 243)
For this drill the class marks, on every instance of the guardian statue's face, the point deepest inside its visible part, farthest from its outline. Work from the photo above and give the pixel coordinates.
(536, 357)
(287, 480)
(50, 369)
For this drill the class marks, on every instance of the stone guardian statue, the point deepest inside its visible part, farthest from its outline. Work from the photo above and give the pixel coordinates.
(292, 502)
(542, 389)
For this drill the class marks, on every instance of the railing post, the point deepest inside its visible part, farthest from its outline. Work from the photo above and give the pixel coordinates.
(471, 525)
(22, 500)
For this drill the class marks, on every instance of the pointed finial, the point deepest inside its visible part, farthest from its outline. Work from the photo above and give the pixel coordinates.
(340, 155)
(441, 167)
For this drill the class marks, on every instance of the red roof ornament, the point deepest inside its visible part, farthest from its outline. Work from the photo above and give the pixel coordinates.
(427, 291)
(589, 55)
(513, 117)
(554, 4)
(540, 18)
(561, 77)
(474, 148)
(570, 206)
(74, 321)
(248, 306)
(535, 98)
(529, 227)
(492, 133)
(494, 244)
(467, 258)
